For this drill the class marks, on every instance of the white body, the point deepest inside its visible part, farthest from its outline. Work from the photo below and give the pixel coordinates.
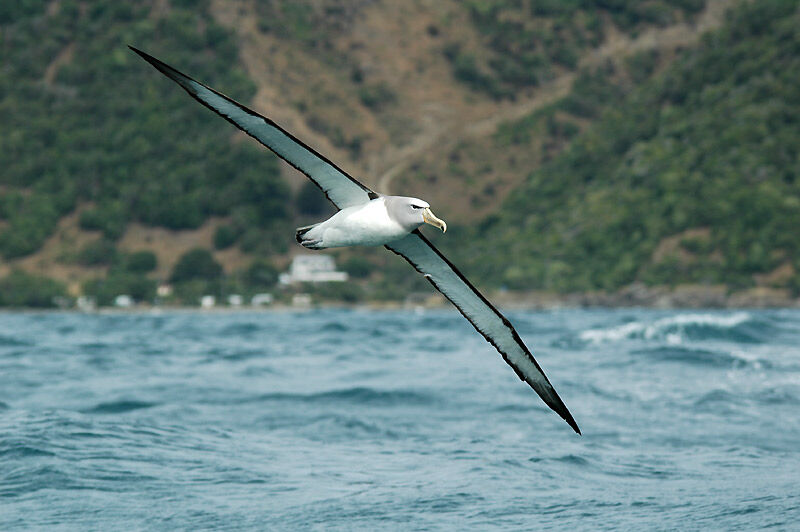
(368, 224)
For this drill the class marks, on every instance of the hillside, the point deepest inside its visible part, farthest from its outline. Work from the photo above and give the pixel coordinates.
(690, 177)
(111, 175)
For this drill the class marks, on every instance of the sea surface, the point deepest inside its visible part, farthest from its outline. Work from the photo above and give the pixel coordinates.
(378, 420)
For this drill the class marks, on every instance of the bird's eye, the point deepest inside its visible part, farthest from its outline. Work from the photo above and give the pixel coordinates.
(416, 206)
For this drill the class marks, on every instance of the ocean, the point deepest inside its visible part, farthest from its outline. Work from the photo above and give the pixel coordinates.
(341, 419)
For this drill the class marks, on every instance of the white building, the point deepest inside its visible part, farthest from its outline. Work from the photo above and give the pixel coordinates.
(164, 290)
(123, 301)
(86, 303)
(261, 300)
(301, 300)
(208, 301)
(312, 269)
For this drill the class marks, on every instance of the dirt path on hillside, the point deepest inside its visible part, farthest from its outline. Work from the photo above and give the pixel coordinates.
(447, 136)
(451, 123)
(618, 46)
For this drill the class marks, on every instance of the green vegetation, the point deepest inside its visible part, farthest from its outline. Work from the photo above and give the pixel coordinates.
(525, 41)
(261, 275)
(710, 144)
(105, 290)
(660, 168)
(308, 23)
(311, 201)
(100, 252)
(195, 274)
(19, 289)
(376, 96)
(127, 273)
(357, 267)
(196, 264)
(86, 121)
(140, 262)
(225, 236)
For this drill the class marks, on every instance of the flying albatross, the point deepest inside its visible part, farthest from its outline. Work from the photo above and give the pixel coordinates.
(367, 218)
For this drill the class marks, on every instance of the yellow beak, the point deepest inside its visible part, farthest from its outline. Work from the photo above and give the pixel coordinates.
(429, 218)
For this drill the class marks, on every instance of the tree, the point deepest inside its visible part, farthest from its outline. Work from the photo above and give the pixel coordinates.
(20, 289)
(196, 264)
(311, 200)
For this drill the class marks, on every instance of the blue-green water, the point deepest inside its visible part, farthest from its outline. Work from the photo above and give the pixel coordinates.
(340, 419)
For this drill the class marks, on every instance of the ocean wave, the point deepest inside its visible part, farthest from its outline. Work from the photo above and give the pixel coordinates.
(241, 329)
(364, 395)
(778, 396)
(357, 395)
(678, 329)
(25, 480)
(328, 426)
(331, 427)
(767, 397)
(197, 426)
(120, 407)
(717, 397)
(700, 357)
(11, 450)
(10, 341)
(234, 353)
(334, 326)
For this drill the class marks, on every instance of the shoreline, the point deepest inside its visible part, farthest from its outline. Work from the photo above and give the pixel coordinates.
(656, 297)
(633, 296)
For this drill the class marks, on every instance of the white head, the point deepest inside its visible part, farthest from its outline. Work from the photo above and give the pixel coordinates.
(411, 213)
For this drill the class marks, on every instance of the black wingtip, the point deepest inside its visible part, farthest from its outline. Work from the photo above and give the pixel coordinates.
(159, 65)
(141, 53)
(572, 424)
(147, 57)
(561, 409)
(564, 413)
(551, 399)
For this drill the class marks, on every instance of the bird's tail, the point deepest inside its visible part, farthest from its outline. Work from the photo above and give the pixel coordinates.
(303, 239)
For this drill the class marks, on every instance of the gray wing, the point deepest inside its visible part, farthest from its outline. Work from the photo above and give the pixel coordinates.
(497, 330)
(338, 186)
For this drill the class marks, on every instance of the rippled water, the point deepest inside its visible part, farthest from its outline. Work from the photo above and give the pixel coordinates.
(340, 419)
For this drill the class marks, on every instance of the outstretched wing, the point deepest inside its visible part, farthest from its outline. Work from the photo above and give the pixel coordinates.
(497, 330)
(344, 191)
(338, 186)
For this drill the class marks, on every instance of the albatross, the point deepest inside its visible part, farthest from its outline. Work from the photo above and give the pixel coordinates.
(366, 218)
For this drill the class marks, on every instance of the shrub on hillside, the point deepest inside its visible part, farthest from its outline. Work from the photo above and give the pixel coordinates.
(20, 289)
(311, 200)
(261, 274)
(140, 262)
(99, 252)
(225, 236)
(196, 264)
(139, 287)
(376, 96)
(110, 218)
(357, 267)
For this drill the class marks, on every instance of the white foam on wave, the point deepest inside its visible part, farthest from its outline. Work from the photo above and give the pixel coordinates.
(669, 328)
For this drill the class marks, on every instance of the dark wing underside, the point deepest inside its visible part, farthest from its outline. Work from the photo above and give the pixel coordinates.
(497, 330)
(338, 186)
